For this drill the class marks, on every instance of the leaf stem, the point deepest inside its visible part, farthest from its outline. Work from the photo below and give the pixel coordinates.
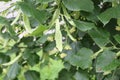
(97, 53)
(13, 61)
(16, 19)
(70, 36)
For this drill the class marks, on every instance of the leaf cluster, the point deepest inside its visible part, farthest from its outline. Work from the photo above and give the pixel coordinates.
(60, 40)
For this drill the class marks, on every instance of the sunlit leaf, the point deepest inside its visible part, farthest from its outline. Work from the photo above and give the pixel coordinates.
(39, 30)
(51, 70)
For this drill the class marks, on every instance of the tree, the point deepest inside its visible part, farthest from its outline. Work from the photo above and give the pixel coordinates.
(60, 40)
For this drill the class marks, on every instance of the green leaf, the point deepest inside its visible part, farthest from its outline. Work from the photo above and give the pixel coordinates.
(118, 21)
(1, 71)
(108, 0)
(58, 36)
(77, 48)
(113, 65)
(32, 75)
(3, 21)
(83, 58)
(35, 67)
(112, 77)
(45, 1)
(33, 59)
(51, 70)
(26, 8)
(39, 30)
(100, 37)
(55, 16)
(13, 71)
(81, 76)
(5, 0)
(117, 38)
(77, 5)
(4, 58)
(84, 26)
(113, 12)
(65, 75)
(31, 11)
(42, 40)
(104, 59)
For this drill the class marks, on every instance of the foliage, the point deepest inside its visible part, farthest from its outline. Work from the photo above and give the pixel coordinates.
(60, 40)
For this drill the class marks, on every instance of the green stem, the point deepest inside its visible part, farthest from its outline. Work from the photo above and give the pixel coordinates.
(16, 19)
(70, 36)
(55, 16)
(97, 53)
(13, 61)
(67, 16)
(68, 32)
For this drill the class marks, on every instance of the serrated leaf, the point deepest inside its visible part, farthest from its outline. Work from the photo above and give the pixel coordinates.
(51, 70)
(110, 13)
(32, 75)
(58, 36)
(100, 37)
(83, 58)
(77, 5)
(13, 71)
(84, 26)
(104, 59)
